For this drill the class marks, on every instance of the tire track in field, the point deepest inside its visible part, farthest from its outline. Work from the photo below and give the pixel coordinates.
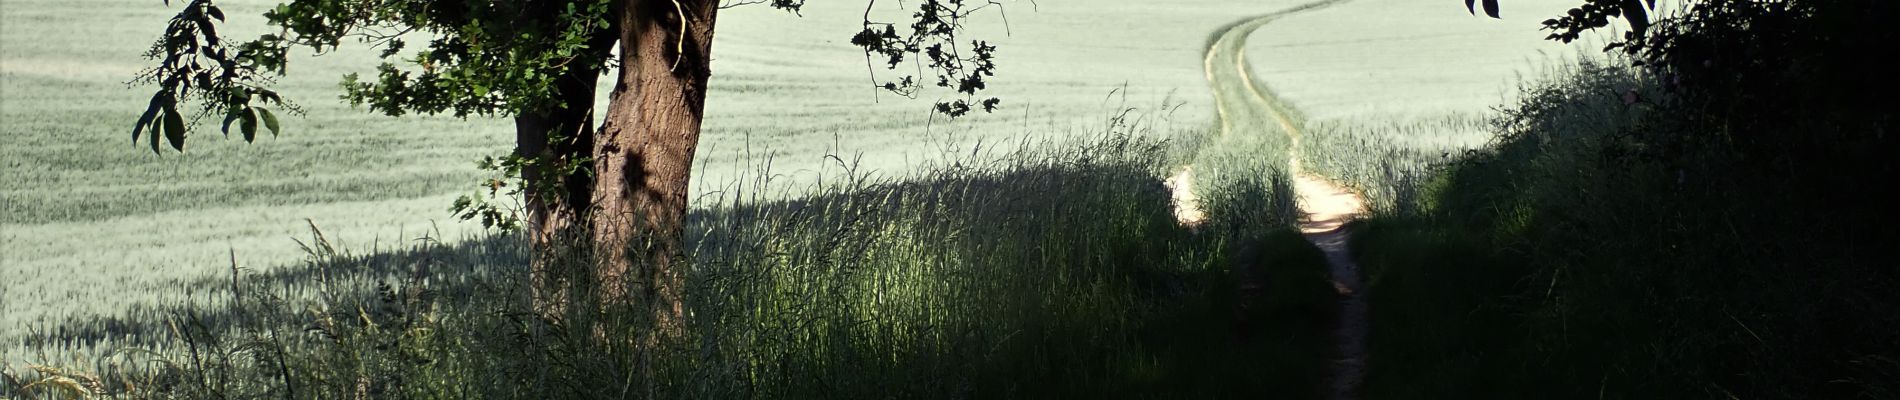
(1247, 107)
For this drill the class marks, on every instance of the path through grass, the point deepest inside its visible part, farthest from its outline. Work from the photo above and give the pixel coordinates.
(1249, 108)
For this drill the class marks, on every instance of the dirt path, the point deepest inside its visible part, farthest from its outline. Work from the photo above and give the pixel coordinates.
(1326, 207)
(1248, 107)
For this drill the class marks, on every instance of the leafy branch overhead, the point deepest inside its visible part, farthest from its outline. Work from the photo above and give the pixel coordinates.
(1597, 14)
(195, 63)
(485, 57)
(1592, 14)
(491, 58)
(934, 33)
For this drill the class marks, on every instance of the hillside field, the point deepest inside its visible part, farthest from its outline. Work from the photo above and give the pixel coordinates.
(92, 225)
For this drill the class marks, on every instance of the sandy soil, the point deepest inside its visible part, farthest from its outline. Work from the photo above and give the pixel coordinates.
(1187, 206)
(1326, 208)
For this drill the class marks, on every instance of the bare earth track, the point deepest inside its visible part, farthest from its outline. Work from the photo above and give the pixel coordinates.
(1246, 108)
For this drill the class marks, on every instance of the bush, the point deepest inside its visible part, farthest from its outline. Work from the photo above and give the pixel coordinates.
(1784, 89)
(1709, 224)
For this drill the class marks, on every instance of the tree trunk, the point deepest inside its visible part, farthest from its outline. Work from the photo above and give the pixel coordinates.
(554, 202)
(643, 155)
(557, 200)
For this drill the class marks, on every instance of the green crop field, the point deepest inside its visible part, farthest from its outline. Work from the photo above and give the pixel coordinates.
(88, 213)
(92, 225)
(1403, 86)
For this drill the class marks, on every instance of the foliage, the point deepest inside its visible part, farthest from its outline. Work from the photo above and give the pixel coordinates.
(1570, 261)
(933, 34)
(475, 64)
(1697, 225)
(1782, 85)
(195, 63)
(483, 206)
(487, 59)
(1490, 7)
(1594, 14)
(1591, 15)
(490, 59)
(1751, 71)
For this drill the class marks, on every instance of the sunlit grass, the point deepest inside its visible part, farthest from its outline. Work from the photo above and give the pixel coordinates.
(1049, 270)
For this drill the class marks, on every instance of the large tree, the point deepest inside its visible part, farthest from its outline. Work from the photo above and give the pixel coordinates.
(615, 184)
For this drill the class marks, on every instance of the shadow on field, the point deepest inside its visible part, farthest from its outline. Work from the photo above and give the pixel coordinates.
(715, 235)
(452, 268)
(1057, 275)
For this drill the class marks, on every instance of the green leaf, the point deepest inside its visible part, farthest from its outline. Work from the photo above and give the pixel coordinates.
(153, 138)
(270, 120)
(151, 111)
(229, 117)
(175, 128)
(248, 124)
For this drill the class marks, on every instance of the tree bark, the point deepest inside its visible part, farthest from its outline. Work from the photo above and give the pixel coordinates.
(643, 155)
(554, 203)
(557, 201)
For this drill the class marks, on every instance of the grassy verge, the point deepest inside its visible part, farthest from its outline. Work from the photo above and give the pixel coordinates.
(1053, 271)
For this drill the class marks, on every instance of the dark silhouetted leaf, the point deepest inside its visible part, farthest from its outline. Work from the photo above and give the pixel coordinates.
(270, 120)
(228, 118)
(151, 111)
(248, 124)
(174, 129)
(1491, 8)
(152, 139)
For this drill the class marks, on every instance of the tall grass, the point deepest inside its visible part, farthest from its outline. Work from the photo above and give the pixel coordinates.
(1388, 160)
(1053, 270)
